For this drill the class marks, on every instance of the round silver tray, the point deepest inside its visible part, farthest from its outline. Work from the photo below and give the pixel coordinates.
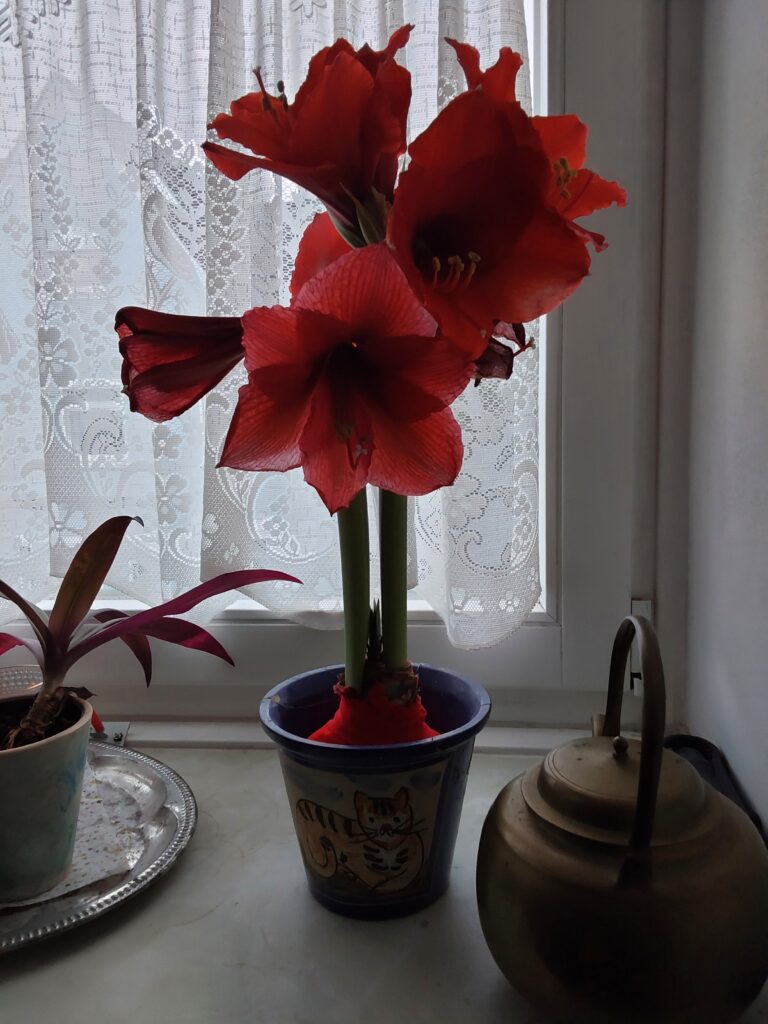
(165, 821)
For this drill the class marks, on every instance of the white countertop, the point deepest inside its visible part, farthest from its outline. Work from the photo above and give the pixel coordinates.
(232, 936)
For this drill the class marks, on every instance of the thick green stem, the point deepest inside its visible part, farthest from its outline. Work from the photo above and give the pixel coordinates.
(356, 585)
(393, 549)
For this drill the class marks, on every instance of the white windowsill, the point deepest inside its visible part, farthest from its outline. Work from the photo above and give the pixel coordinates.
(232, 935)
(494, 739)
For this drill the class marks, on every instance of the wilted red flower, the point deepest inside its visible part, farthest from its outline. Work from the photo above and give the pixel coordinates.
(498, 359)
(574, 191)
(351, 384)
(170, 362)
(340, 138)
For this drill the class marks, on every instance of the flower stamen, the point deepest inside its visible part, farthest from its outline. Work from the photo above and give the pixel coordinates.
(564, 175)
(436, 269)
(266, 102)
(457, 273)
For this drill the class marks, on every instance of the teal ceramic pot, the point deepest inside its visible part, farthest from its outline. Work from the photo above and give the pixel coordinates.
(40, 788)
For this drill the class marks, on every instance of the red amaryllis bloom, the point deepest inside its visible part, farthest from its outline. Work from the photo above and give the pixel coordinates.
(170, 362)
(474, 222)
(351, 384)
(472, 227)
(574, 191)
(341, 136)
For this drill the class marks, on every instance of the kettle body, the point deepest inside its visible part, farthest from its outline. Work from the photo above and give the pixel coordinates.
(616, 887)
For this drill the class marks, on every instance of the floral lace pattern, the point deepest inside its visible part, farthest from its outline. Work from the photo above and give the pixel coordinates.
(106, 200)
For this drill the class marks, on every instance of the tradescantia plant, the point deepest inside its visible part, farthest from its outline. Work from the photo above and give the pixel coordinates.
(409, 286)
(72, 630)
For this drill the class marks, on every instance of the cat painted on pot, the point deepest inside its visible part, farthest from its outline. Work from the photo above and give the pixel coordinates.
(380, 848)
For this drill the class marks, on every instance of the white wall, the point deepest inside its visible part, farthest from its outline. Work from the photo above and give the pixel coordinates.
(728, 572)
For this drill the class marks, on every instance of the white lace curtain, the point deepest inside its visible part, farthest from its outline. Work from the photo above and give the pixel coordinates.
(106, 200)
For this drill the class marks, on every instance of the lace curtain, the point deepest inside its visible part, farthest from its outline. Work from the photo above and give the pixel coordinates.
(106, 200)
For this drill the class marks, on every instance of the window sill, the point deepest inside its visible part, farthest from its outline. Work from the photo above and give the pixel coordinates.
(233, 935)
(227, 735)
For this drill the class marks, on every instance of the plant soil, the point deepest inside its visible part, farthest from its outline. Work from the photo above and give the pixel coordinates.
(12, 713)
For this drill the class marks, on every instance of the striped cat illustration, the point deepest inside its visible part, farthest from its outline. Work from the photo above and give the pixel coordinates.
(380, 847)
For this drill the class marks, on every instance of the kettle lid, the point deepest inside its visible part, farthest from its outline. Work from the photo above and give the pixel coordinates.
(590, 788)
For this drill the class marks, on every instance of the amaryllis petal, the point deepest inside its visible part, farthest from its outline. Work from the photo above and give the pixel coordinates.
(414, 376)
(416, 458)
(293, 339)
(264, 433)
(170, 362)
(548, 264)
(336, 443)
(563, 136)
(367, 288)
(498, 81)
(320, 245)
(230, 162)
(587, 192)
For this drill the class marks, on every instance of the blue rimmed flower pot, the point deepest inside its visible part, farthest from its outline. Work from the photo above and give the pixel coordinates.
(376, 825)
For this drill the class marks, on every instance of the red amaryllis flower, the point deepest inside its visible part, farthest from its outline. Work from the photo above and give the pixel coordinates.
(170, 362)
(351, 384)
(341, 136)
(574, 191)
(472, 226)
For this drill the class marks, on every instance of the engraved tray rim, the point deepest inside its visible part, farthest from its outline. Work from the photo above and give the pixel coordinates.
(177, 791)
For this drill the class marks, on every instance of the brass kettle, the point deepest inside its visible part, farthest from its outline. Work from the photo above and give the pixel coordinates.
(615, 886)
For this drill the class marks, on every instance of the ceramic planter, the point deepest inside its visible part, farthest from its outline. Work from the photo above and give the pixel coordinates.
(376, 825)
(40, 789)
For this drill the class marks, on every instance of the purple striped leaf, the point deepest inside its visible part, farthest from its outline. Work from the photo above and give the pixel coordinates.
(177, 606)
(136, 642)
(31, 613)
(85, 576)
(8, 642)
(188, 634)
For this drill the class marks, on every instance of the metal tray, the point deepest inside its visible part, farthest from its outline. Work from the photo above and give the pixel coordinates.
(165, 815)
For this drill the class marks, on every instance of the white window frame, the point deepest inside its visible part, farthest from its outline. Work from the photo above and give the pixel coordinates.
(598, 480)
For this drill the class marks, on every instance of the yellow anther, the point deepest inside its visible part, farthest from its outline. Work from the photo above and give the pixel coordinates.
(473, 257)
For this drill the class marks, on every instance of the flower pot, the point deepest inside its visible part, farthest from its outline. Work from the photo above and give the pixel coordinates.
(40, 787)
(376, 825)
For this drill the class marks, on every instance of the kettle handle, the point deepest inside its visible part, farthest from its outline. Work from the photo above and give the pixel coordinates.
(654, 721)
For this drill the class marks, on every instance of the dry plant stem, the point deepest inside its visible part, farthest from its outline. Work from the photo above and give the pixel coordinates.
(393, 549)
(356, 586)
(40, 717)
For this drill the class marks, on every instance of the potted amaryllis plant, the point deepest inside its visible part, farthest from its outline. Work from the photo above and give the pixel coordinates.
(410, 285)
(43, 739)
